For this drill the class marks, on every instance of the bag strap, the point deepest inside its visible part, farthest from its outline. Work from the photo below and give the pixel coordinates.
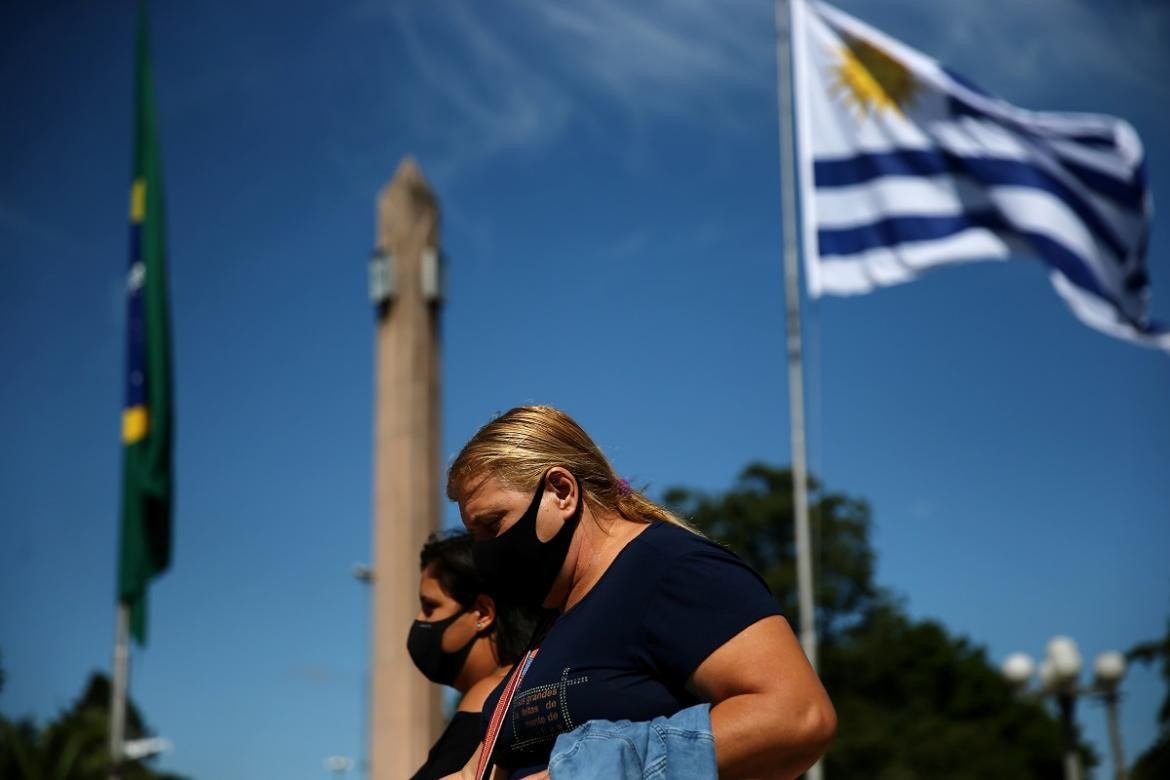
(488, 746)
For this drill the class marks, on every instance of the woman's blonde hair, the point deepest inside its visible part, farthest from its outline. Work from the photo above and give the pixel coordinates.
(520, 445)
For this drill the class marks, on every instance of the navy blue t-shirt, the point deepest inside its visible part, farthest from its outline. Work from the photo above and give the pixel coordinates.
(627, 649)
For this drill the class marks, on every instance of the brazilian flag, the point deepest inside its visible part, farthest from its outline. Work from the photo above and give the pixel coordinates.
(147, 426)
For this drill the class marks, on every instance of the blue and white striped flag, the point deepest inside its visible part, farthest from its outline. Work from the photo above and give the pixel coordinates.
(905, 166)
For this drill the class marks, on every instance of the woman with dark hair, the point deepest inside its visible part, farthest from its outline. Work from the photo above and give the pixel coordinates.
(463, 638)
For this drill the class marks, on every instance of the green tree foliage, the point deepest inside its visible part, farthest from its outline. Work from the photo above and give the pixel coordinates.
(912, 701)
(74, 746)
(1154, 763)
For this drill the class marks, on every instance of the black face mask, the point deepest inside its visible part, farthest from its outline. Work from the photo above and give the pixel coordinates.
(519, 567)
(425, 645)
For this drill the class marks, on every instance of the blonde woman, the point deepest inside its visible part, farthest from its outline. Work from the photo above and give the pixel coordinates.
(653, 618)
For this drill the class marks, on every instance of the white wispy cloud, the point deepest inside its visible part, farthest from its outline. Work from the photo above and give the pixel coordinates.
(659, 56)
(500, 100)
(517, 74)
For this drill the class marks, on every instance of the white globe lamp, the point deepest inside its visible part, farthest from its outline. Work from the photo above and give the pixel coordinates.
(1066, 661)
(1018, 669)
(1109, 668)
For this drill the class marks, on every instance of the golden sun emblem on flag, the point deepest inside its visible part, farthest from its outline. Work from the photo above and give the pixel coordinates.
(872, 80)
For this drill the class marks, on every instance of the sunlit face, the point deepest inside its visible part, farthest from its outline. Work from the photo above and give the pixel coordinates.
(436, 604)
(489, 508)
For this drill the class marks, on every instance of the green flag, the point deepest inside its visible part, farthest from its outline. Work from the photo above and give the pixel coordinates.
(147, 428)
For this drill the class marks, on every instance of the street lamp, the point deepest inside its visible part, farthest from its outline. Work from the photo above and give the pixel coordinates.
(364, 574)
(1065, 661)
(134, 749)
(1018, 668)
(1108, 670)
(1059, 676)
(338, 765)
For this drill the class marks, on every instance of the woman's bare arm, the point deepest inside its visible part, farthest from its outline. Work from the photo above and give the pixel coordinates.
(770, 715)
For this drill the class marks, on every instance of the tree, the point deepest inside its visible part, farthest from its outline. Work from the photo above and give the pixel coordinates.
(74, 746)
(1154, 763)
(912, 701)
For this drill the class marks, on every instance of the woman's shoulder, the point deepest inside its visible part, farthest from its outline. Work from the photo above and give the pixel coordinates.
(479, 691)
(671, 542)
(687, 560)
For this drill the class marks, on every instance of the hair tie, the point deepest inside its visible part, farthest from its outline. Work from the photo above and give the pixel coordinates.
(623, 487)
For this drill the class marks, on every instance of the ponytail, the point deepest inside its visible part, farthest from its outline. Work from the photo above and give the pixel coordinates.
(635, 506)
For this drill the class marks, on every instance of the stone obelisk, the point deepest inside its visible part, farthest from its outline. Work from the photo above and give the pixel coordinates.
(405, 280)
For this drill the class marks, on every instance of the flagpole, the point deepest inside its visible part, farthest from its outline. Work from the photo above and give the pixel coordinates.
(804, 572)
(118, 690)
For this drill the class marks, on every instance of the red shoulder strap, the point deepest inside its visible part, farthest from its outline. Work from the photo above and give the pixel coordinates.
(488, 746)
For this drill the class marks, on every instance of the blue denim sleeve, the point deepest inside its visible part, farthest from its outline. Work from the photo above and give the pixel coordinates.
(680, 747)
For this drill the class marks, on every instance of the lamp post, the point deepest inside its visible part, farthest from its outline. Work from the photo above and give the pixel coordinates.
(365, 576)
(1065, 663)
(1059, 675)
(1108, 670)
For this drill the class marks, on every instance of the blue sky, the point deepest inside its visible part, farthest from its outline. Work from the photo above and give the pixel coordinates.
(609, 181)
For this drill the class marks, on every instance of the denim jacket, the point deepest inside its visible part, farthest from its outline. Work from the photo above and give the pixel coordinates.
(680, 747)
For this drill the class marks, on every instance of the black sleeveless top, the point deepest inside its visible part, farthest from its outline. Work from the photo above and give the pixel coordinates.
(453, 749)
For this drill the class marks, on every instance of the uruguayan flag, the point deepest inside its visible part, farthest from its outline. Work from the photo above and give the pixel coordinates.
(905, 166)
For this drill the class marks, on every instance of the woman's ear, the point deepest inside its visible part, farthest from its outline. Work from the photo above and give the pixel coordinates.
(564, 486)
(484, 610)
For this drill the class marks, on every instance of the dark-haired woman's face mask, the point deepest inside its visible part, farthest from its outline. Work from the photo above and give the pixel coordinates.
(425, 645)
(516, 565)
